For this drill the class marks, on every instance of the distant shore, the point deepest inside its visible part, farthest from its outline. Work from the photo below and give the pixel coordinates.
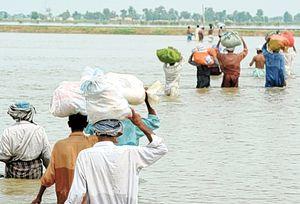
(120, 30)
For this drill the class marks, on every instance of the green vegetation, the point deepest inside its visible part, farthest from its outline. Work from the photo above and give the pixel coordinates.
(117, 30)
(156, 16)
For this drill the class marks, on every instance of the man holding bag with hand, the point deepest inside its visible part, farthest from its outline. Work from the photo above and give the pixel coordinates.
(109, 174)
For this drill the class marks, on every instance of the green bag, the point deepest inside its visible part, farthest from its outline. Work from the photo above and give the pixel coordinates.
(230, 40)
(168, 55)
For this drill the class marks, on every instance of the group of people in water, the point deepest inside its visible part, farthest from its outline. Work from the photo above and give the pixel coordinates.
(275, 66)
(92, 165)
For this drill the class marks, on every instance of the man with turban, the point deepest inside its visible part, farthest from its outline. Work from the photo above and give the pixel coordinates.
(109, 174)
(24, 146)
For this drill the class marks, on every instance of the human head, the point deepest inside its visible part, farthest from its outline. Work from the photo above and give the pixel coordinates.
(198, 26)
(221, 27)
(77, 122)
(202, 27)
(258, 50)
(189, 27)
(172, 64)
(210, 26)
(108, 129)
(22, 111)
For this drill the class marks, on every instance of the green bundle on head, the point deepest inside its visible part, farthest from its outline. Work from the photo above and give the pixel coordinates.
(168, 55)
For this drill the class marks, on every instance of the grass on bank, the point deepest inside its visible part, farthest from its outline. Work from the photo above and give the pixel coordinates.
(116, 30)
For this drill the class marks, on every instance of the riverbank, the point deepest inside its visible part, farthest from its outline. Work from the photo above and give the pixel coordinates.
(119, 30)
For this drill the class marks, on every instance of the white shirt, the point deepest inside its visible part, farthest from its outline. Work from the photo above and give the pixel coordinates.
(24, 141)
(109, 174)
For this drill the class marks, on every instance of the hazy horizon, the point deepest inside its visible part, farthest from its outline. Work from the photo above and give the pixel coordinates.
(58, 6)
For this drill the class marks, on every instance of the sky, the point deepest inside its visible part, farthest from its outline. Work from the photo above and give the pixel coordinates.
(58, 6)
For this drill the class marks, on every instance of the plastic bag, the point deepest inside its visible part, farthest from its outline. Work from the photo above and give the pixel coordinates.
(67, 100)
(230, 40)
(103, 100)
(152, 92)
(168, 55)
(131, 87)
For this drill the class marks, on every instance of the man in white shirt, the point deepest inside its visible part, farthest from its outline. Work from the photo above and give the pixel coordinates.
(24, 146)
(109, 174)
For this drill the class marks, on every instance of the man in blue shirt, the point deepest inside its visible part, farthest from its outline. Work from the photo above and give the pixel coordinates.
(274, 68)
(131, 133)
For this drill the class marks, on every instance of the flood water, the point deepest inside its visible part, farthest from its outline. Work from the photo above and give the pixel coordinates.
(225, 145)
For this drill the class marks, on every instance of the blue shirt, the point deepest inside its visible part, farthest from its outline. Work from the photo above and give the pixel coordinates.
(131, 133)
(274, 68)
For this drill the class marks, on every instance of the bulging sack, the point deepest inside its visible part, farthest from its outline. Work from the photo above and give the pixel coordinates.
(230, 40)
(277, 42)
(290, 37)
(103, 100)
(130, 86)
(67, 100)
(205, 57)
(168, 55)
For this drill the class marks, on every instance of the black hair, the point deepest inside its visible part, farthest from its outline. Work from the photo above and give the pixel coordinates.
(77, 122)
(198, 26)
(189, 26)
(259, 51)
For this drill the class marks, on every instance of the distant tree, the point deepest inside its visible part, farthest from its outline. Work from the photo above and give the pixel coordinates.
(241, 17)
(173, 15)
(3, 15)
(65, 15)
(209, 14)
(185, 15)
(131, 12)
(148, 14)
(297, 17)
(220, 16)
(160, 13)
(34, 15)
(196, 17)
(123, 13)
(259, 13)
(76, 15)
(106, 14)
(287, 17)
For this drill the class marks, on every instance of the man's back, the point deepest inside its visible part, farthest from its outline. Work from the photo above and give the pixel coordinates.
(24, 141)
(230, 62)
(109, 173)
(259, 61)
(62, 164)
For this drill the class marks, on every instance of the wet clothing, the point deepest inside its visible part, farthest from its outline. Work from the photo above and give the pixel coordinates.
(61, 168)
(24, 169)
(172, 76)
(109, 174)
(215, 70)
(20, 145)
(230, 80)
(203, 77)
(203, 74)
(131, 133)
(274, 68)
(189, 34)
(230, 65)
(289, 58)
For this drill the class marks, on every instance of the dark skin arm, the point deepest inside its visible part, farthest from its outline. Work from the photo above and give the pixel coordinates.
(137, 121)
(244, 43)
(191, 62)
(151, 111)
(252, 62)
(38, 198)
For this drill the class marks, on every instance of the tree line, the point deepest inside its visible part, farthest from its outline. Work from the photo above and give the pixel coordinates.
(158, 14)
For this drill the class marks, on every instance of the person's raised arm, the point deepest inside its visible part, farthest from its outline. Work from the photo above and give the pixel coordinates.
(244, 44)
(218, 45)
(191, 62)
(137, 121)
(150, 109)
(252, 62)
